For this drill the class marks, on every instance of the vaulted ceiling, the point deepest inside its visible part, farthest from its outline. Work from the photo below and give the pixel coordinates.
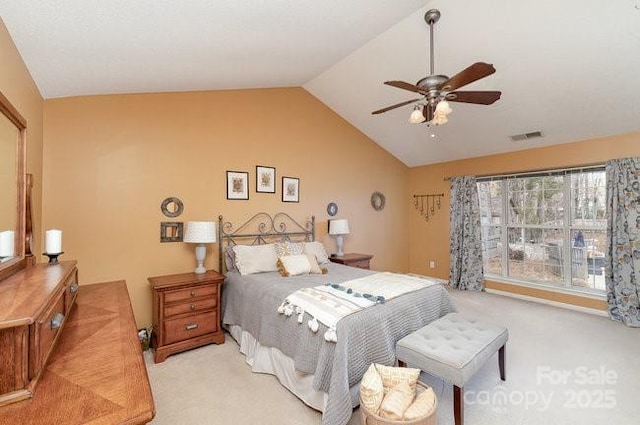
(565, 68)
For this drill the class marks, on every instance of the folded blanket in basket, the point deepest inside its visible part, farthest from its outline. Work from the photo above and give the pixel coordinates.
(329, 303)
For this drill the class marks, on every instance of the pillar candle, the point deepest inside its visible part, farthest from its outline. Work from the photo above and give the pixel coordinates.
(7, 240)
(53, 241)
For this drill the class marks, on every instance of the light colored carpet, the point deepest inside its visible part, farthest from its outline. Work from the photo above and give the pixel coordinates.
(563, 367)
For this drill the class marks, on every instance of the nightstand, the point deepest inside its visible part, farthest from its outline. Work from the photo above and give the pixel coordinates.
(186, 312)
(360, 261)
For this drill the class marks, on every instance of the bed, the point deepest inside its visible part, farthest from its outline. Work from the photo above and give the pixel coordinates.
(323, 374)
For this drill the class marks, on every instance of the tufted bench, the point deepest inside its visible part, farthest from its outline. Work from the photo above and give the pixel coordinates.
(454, 348)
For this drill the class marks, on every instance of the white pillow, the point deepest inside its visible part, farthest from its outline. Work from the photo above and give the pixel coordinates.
(296, 264)
(252, 259)
(317, 249)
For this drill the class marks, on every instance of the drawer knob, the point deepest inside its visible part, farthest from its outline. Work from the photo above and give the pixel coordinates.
(193, 306)
(191, 326)
(193, 293)
(57, 320)
(73, 288)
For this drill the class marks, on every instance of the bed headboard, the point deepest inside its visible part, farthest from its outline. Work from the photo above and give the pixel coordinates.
(261, 229)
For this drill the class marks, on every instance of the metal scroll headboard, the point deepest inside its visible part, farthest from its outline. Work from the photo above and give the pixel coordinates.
(261, 229)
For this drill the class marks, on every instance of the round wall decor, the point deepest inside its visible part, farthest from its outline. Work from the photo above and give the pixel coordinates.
(377, 201)
(332, 209)
(172, 207)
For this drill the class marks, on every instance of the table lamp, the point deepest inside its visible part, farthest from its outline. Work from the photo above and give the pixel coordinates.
(338, 228)
(200, 233)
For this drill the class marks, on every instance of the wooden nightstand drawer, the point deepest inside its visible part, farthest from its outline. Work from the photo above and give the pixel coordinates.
(190, 293)
(362, 264)
(189, 327)
(190, 307)
(361, 261)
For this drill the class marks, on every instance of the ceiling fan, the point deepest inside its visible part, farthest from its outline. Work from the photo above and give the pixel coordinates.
(436, 90)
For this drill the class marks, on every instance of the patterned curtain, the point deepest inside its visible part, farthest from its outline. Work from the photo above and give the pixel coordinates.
(622, 259)
(465, 244)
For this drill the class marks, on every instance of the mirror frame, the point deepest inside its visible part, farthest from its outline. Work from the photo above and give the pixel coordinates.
(19, 262)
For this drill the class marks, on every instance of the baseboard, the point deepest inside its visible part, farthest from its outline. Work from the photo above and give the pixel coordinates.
(549, 302)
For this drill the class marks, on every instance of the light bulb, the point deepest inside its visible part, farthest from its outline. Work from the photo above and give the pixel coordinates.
(416, 116)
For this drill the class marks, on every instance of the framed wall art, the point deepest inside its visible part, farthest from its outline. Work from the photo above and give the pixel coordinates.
(265, 179)
(290, 189)
(237, 185)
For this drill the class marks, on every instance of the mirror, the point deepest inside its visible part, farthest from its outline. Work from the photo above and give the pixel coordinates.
(12, 188)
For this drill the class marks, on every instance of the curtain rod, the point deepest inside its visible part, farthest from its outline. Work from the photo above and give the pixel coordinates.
(538, 171)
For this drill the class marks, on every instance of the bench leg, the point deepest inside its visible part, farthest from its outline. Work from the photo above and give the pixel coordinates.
(501, 362)
(458, 405)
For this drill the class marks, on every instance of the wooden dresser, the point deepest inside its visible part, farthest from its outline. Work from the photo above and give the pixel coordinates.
(186, 312)
(34, 305)
(96, 373)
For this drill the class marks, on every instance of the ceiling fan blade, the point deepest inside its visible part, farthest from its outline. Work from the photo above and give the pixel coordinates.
(478, 97)
(403, 85)
(467, 76)
(397, 105)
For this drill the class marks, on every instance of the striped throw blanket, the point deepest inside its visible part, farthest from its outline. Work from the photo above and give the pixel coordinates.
(329, 303)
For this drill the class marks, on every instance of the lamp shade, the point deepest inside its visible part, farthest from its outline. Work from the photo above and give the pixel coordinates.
(200, 232)
(339, 227)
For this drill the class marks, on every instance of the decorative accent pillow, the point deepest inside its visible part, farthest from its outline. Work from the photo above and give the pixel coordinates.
(293, 265)
(392, 376)
(423, 405)
(252, 259)
(317, 249)
(289, 248)
(371, 389)
(230, 259)
(397, 400)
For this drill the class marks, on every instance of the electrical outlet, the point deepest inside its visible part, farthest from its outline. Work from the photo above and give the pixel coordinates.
(432, 264)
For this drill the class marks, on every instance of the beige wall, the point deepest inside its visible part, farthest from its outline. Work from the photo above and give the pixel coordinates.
(18, 86)
(109, 161)
(429, 241)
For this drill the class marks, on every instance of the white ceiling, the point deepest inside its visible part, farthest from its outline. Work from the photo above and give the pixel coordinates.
(567, 68)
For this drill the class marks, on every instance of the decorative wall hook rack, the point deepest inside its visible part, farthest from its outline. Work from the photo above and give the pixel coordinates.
(426, 204)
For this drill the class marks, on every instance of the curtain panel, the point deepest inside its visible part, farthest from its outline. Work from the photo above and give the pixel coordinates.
(622, 257)
(465, 243)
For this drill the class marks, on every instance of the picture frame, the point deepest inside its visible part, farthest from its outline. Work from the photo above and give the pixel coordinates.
(237, 185)
(171, 231)
(290, 189)
(265, 179)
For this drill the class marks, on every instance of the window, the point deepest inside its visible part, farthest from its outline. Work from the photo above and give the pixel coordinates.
(545, 228)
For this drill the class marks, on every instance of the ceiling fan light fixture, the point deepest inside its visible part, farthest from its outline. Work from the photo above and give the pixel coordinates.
(443, 108)
(439, 119)
(416, 116)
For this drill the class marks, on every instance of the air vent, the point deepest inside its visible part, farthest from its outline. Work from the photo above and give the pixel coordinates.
(525, 136)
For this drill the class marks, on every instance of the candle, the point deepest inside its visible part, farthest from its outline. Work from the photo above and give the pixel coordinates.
(7, 239)
(53, 241)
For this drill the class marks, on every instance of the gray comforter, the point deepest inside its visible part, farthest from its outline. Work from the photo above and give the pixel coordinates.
(363, 338)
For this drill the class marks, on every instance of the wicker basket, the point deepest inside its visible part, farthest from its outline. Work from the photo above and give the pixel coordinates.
(370, 418)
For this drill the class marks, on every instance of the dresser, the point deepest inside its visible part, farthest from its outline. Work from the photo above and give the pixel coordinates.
(186, 312)
(35, 303)
(361, 261)
(96, 373)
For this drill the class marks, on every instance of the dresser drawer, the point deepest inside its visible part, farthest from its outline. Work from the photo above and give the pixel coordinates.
(190, 293)
(189, 327)
(47, 329)
(190, 307)
(71, 292)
